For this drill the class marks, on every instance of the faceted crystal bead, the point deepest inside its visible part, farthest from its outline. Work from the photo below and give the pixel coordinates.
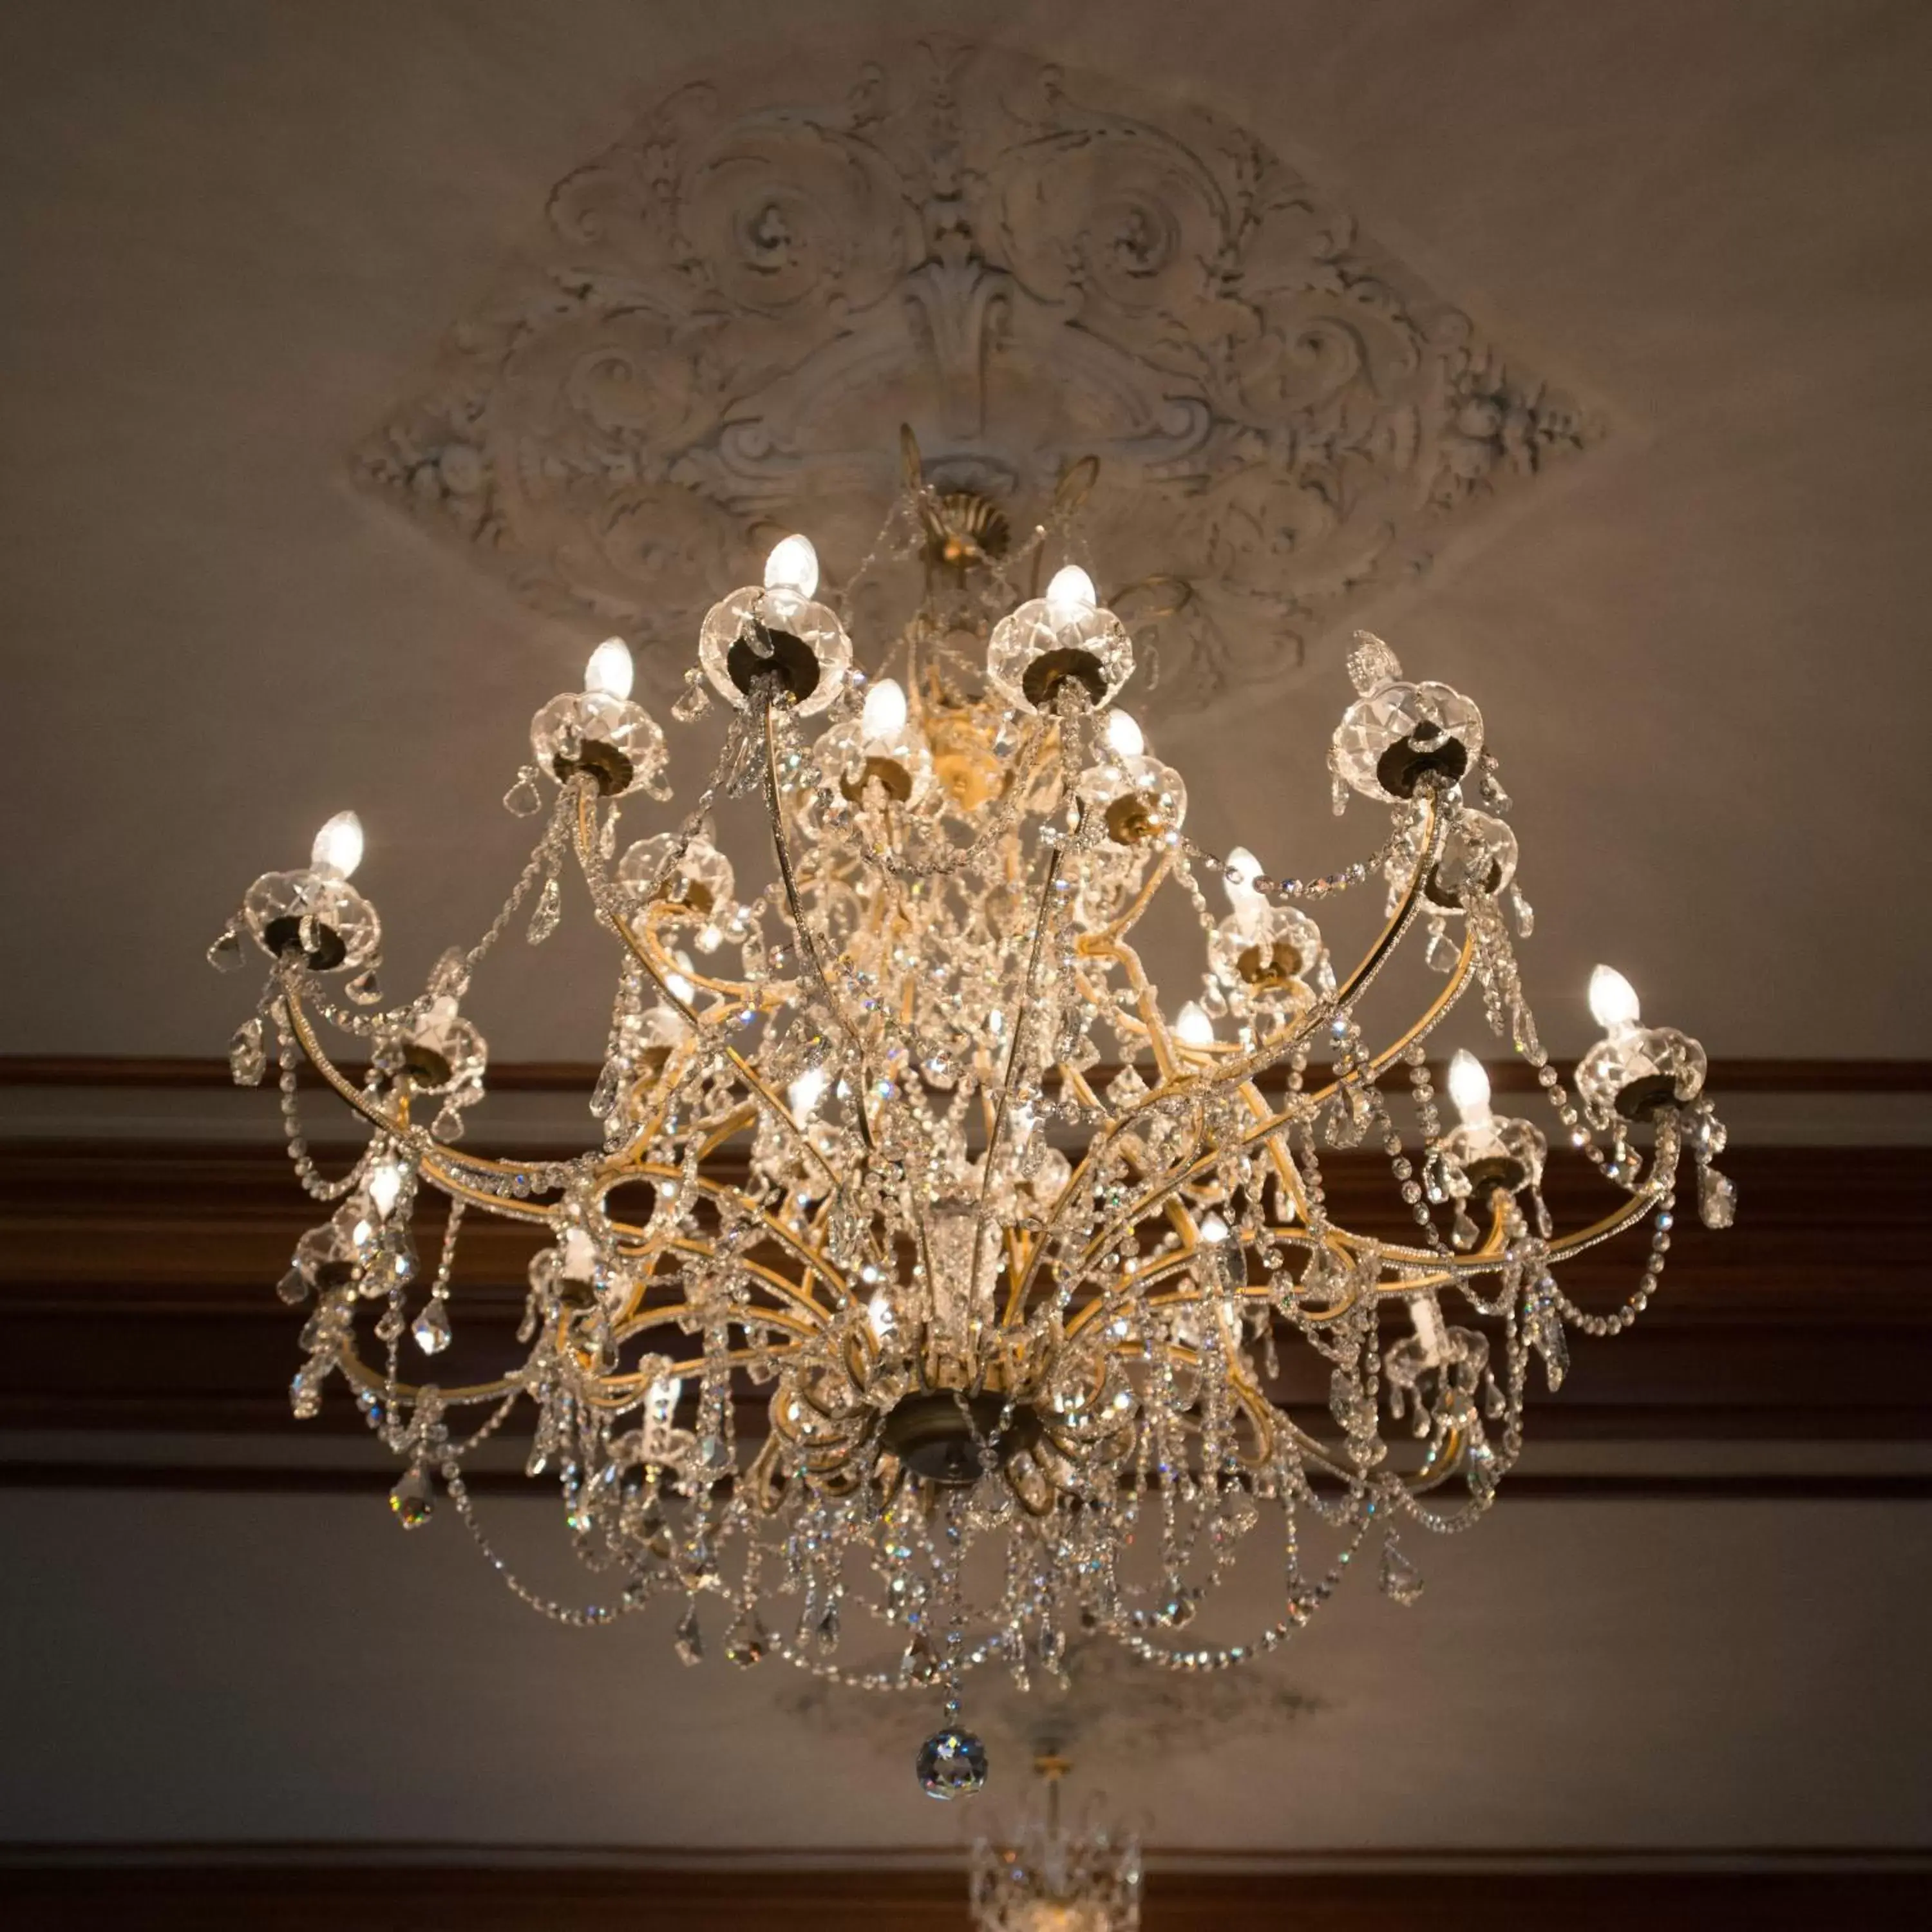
(1717, 1198)
(1175, 1610)
(412, 1501)
(951, 1764)
(431, 1327)
(225, 954)
(247, 1059)
(689, 1641)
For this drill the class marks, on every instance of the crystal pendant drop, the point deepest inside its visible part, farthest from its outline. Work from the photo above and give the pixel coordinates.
(748, 1640)
(951, 1764)
(293, 1288)
(225, 954)
(1542, 1326)
(826, 1635)
(365, 990)
(1401, 1581)
(1526, 913)
(1717, 1198)
(412, 1501)
(247, 1059)
(549, 910)
(920, 1663)
(448, 1124)
(1440, 952)
(1463, 1232)
(522, 800)
(431, 1327)
(689, 1641)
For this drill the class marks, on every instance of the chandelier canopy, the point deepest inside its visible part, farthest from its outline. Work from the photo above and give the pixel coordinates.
(928, 1263)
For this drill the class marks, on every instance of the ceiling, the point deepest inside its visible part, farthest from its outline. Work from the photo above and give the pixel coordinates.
(239, 237)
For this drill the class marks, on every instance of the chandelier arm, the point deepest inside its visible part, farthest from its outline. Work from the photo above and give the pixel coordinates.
(604, 896)
(431, 1154)
(745, 1204)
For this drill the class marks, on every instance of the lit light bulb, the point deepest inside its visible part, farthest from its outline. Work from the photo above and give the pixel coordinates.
(1612, 1000)
(1072, 588)
(1469, 1087)
(1239, 870)
(1213, 1228)
(1192, 1026)
(385, 1187)
(806, 1091)
(884, 716)
(338, 850)
(580, 1255)
(792, 566)
(679, 988)
(1124, 736)
(610, 671)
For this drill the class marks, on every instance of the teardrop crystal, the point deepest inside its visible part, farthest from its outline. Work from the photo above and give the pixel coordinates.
(549, 910)
(522, 800)
(689, 1641)
(412, 1501)
(247, 1061)
(225, 954)
(431, 1327)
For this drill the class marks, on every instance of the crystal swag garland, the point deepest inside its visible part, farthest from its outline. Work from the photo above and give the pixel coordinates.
(908, 1299)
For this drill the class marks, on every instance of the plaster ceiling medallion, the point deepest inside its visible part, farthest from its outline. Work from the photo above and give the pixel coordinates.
(1029, 268)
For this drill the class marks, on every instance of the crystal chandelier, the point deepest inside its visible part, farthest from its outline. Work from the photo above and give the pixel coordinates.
(928, 1265)
(1056, 1878)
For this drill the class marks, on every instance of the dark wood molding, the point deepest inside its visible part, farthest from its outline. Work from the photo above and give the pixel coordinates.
(1791, 1894)
(564, 1076)
(1811, 1319)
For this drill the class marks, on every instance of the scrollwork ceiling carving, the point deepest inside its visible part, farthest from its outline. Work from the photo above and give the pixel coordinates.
(737, 303)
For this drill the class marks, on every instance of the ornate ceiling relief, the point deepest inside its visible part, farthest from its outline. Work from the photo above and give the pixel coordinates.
(738, 303)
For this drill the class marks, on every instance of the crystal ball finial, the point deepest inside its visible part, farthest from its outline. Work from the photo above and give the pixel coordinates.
(951, 1764)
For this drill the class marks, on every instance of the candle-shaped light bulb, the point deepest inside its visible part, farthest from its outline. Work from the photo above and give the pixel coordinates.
(792, 566)
(609, 673)
(1612, 1000)
(1469, 1088)
(1072, 588)
(885, 714)
(805, 1092)
(1192, 1026)
(338, 850)
(1124, 736)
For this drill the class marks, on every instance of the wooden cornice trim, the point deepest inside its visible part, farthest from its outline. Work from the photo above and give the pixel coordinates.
(183, 1073)
(308, 1893)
